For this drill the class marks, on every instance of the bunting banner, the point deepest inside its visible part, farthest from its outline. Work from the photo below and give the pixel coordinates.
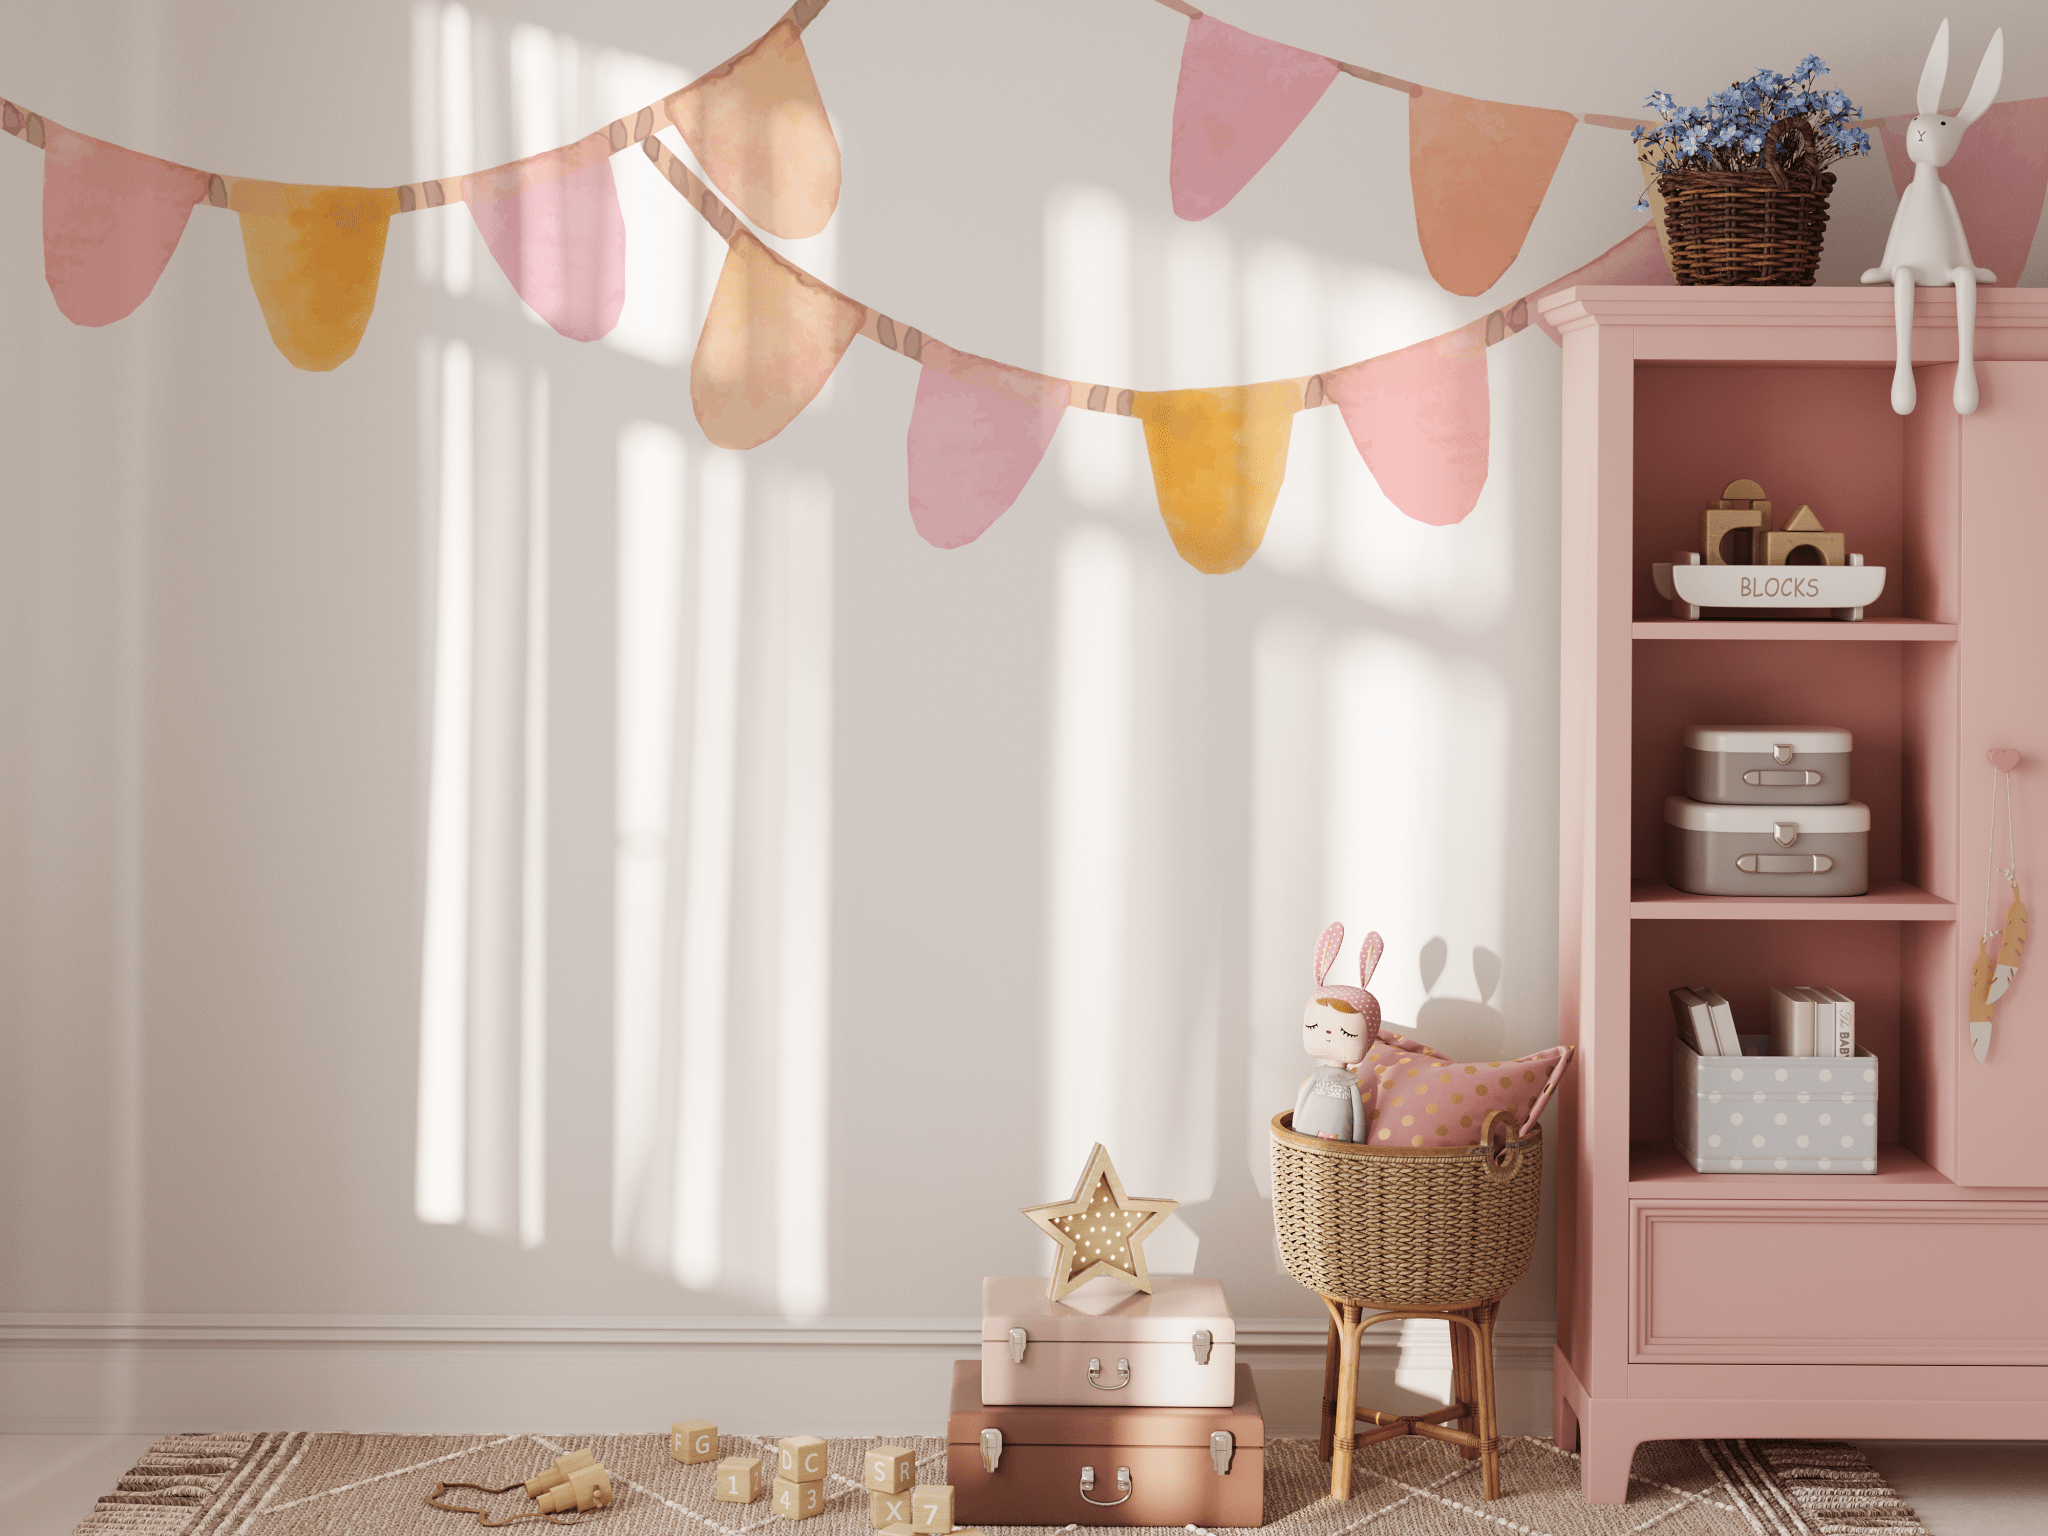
(112, 217)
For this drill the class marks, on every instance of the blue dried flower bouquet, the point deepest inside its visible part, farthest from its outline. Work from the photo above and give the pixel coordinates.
(1741, 185)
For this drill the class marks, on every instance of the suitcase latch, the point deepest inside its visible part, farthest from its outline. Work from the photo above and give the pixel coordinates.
(1123, 1485)
(1781, 753)
(1784, 833)
(1123, 1375)
(1018, 1339)
(991, 1449)
(1221, 1444)
(1203, 1339)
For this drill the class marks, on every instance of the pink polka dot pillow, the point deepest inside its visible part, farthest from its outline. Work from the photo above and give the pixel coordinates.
(1390, 1054)
(1429, 1102)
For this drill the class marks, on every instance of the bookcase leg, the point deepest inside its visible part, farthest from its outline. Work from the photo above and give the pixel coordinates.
(1564, 1424)
(1605, 1456)
(1330, 1352)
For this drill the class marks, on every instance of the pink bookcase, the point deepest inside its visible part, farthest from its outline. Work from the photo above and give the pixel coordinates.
(1904, 1303)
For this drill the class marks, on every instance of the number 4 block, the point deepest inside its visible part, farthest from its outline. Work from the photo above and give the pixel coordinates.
(798, 1501)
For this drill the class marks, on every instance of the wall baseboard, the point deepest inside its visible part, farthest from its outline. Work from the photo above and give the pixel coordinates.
(157, 1373)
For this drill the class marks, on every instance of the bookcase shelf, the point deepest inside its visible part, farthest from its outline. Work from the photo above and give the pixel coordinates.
(1742, 1304)
(1888, 901)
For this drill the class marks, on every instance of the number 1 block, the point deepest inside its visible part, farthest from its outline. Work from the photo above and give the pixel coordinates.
(694, 1442)
(798, 1501)
(931, 1509)
(739, 1480)
(889, 1469)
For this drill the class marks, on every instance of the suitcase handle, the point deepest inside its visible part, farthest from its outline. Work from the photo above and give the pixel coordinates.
(1095, 1375)
(1123, 1485)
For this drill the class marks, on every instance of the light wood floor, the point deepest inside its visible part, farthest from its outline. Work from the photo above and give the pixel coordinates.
(1959, 1488)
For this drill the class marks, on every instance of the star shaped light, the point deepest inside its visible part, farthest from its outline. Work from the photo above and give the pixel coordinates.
(1101, 1231)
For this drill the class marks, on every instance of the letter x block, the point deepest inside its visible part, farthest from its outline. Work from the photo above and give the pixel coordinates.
(889, 1469)
(887, 1509)
(931, 1509)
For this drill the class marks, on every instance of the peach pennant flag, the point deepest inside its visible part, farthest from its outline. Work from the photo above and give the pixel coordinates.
(1635, 260)
(1479, 170)
(111, 219)
(1218, 457)
(314, 255)
(1239, 98)
(1998, 178)
(977, 432)
(771, 338)
(1420, 418)
(554, 225)
(758, 127)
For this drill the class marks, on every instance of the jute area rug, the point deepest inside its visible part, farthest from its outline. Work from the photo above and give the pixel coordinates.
(301, 1484)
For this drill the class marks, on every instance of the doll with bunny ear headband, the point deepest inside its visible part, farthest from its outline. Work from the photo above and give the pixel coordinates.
(1339, 1026)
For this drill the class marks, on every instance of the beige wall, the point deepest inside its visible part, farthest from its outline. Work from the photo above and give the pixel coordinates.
(970, 858)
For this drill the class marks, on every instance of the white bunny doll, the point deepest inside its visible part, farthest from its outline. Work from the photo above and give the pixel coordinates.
(1339, 1027)
(1927, 247)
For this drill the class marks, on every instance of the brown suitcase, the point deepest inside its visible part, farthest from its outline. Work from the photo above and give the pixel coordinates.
(1042, 1464)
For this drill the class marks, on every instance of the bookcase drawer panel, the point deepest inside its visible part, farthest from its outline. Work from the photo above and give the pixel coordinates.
(1874, 1283)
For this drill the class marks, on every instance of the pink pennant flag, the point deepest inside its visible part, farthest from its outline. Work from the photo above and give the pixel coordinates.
(1479, 170)
(1637, 260)
(111, 219)
(977, 432)
(1240, 96)
(554, 225)
(1420, 418)
(1998, 178)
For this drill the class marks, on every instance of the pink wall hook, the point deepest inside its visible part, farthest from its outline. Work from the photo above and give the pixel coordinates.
(2004, 759)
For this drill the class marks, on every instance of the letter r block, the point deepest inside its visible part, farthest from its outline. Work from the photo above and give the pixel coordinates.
(889, 1469)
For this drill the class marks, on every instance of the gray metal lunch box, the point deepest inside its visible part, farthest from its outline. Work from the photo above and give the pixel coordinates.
(1767, 764)
(1774, 1114)
(1767, 850)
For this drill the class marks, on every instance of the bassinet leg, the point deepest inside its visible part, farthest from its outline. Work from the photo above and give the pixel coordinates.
(1489, 1420)
(1346, 1423)
(1464, 1388)
(1330, 1351)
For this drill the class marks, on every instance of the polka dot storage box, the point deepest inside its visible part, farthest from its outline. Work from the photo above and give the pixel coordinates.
(1774, 1114)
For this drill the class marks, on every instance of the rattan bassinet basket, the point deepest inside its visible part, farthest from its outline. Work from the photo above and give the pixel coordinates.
(1387, 1228)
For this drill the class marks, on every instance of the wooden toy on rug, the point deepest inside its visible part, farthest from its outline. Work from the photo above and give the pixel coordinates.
(931, 1509)
(564, 1467)
(888, 1469)
(800, 1459)
(1341, 1024)
(889, 1509)
(739, 1480)
(587, 1488)
(798, 1501)
(576, 1484)
(693, 1441)
(1927, 247)
(1101, 1231)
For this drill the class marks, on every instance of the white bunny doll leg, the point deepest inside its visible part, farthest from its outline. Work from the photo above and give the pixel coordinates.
(1965, 279)
(1904, 394)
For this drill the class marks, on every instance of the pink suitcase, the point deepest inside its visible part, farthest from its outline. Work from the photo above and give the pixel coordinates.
(1050, 1464)
(1108, 1345)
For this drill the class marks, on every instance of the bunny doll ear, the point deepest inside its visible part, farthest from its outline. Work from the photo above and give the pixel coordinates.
(1935, 71)
(1326, 950)
(1369, 952)
(1986, 84)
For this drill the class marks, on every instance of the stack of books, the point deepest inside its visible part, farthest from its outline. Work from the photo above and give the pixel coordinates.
(1705, 1021)
(1812, 1021)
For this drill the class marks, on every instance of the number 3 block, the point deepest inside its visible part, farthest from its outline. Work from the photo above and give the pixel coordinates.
(931, 1509)
(889, 1469)
(798, 1501)
(739, 1480)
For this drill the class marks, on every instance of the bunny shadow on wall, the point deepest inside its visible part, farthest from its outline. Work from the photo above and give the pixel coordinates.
(1927, 247)
(1462, 1029)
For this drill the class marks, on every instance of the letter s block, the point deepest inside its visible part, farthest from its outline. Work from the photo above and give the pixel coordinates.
(798, 1501)
(889, 1469)
(694, 1441)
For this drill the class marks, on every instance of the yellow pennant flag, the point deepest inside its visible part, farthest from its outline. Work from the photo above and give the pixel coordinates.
(1218, 456)
(314, 257)
(771, 339)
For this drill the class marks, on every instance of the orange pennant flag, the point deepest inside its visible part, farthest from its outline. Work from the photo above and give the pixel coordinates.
(1218, 457)
(771, 338)
(1479, 170)
(758, 127)
(314, 257)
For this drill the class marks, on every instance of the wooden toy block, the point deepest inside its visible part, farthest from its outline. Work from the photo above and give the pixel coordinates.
(1743, 492)
(800, 1459)
(1728, 534)
(1779, 547)
(931, 1509)
(898, 1530)
(1803, 521)
(694, 1441)
(888, 1469)
(798, 1501)
(889, 1509)
(739, 1480)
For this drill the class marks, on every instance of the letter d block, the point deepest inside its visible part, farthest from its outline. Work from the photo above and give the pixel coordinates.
(889, 1469)
(694, 1442)
(931, 1509)
(798, 1501)
(887, 1509)
(739, 1480)
(800, 1459)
